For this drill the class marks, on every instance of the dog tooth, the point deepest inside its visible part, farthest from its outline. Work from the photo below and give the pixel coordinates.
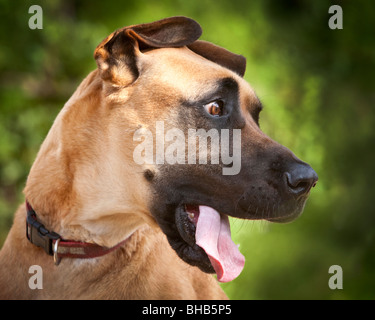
(191, 215)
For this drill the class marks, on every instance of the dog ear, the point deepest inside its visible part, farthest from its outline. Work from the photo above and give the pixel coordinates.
(225, 58)
(116, 56)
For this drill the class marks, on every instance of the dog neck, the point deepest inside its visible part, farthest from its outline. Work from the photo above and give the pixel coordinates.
(77, 183)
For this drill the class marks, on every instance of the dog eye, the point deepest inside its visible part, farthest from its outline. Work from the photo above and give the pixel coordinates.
(215, 108)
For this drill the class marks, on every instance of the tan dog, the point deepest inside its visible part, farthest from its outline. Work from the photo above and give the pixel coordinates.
(85, 186)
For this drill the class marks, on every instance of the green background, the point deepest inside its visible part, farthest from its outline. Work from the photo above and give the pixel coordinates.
(318, 89)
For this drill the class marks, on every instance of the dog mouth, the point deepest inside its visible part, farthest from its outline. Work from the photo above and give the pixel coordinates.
(207, 237)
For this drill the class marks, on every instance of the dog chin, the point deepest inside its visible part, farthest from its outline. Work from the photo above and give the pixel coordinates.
(195, 256)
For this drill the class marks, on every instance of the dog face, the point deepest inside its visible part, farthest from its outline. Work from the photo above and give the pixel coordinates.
(162, 78)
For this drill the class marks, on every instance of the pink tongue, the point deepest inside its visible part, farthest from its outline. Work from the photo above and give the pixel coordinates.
(213, 236)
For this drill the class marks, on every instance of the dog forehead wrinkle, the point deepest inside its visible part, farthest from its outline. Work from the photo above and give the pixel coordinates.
(218, 89)
(179, 66)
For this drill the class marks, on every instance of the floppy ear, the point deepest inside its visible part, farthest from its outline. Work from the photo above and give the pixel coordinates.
(225, 58)
(116, 56)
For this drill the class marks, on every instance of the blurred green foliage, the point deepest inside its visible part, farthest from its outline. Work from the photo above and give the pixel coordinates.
(318, 89)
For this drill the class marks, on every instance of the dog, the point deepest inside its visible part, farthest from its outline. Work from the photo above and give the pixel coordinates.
(100, 225)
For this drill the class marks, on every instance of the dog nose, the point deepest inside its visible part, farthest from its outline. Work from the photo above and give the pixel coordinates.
(300, 178)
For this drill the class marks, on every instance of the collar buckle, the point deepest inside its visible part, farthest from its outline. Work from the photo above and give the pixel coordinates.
(37, 234)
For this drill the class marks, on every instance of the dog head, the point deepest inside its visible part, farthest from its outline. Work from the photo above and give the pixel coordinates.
(171, 80)
(167, 130)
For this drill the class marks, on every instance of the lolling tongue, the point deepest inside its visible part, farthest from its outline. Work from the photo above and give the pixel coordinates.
(213, 236)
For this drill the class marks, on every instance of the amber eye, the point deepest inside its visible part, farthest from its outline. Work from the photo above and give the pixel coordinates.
(215, 108)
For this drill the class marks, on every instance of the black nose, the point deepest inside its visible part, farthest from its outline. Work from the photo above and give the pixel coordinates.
(300, 178)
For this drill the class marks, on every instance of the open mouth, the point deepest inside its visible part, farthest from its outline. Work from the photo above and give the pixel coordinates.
(202, 227)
